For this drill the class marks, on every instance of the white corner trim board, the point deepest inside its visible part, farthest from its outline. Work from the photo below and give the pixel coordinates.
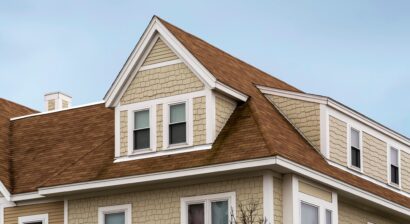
(240, 165)
(268, 196)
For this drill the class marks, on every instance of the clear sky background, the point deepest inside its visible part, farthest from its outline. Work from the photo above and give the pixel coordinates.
(355, 51)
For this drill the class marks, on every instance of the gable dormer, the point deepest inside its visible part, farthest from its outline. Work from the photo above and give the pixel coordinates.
(165, 101)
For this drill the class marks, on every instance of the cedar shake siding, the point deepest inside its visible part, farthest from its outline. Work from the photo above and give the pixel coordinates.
(160, 53)
(338, 141)
(374, 157)
(305, 116)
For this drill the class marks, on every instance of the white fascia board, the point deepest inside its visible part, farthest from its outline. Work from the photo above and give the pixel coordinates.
(26, 196)
(262, 162)
(339, 107)
(340, 185)
(231, 91)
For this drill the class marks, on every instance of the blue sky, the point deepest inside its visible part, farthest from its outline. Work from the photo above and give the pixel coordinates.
(356, 52)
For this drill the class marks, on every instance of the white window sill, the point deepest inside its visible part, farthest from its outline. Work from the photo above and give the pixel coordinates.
(168, 151)
(355, 169)
(397, 186)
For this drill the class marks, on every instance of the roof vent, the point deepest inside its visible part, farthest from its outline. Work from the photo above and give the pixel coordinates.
(57, 101)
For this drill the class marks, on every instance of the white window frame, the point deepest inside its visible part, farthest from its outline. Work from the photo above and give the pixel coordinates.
(102, 211)
(189, 114)
(349, 148)
(33, 218)
(321, 204)
(152, 128)
(389, 148)
(207, 200)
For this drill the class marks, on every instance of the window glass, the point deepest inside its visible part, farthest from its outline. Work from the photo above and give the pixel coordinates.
(177, 113)
(141, 130)
(355, 138)
(394, 157)
(328, 217)
(177, 126)
(309, 214)
(355, 154)
(220, 212)
(141, 119)
(196, 214)
(114, 218)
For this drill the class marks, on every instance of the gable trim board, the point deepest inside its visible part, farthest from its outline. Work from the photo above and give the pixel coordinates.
(154, 31)
(234, 166)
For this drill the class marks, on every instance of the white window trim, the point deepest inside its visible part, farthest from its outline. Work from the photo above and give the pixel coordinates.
(207, 199)
(321, 204)
(152, 125)
(389, 147)
(349, 148)
(189, 114)
(114, 209)
(33, 218)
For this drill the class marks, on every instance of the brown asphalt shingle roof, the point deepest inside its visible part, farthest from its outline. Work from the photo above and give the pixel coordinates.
(8, 109)
(78, 145)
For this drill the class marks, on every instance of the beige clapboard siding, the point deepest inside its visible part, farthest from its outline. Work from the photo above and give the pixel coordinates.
(163, 205)
(304, 116)
(337, 141)
(224, 107)
(349, 214)
(159, 126)
(199, 120)
(405, 170)
(160, 53)
(161, 82)
(374, 157)
(55, 211)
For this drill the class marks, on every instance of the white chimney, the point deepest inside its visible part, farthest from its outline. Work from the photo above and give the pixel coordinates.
(57, 101)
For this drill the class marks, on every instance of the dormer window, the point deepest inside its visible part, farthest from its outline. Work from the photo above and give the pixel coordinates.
(141, 130)
(177, 124)
(355, 153)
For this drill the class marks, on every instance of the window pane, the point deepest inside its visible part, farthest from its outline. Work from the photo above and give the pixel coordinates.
(115, 218)
(394, 174)
(355, 157)
(328, 217)
(141, 119)
(309, 214)
(196, 214)
(394, 157)
(33, 223)
(141, 139)
(177, 113)
(177, 133)
(220, 212)
(355, 139)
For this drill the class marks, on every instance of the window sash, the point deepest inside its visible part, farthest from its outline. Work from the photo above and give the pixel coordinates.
(355, 157)
(177, 118)
(138, 122)
(394, 174)
(177, 123)
(306, 217)
(354, 138)
(394, 157)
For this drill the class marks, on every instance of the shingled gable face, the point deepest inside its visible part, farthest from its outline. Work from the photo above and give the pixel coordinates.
(166, 104)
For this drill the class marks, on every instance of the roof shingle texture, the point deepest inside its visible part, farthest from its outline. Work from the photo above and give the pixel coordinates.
(78, 145)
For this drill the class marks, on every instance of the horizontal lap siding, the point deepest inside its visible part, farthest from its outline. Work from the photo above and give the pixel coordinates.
(55, 211)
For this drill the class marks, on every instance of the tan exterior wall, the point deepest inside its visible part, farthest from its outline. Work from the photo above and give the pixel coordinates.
(315, 191)
(199, 120)
(374, 157)
(163, 206)
(277, 200)
(123, 133)
(161, 82)
(160, 123)
(304, 116)
(224, 107)
(55, 211)
(337, 141)
(51, 105)
(349, 214)
(160, 52)
(405, 171)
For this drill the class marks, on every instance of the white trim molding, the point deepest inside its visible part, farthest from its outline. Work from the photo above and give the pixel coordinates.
(126, 209)
(268, 197)
(207, 200)
(43, 218)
